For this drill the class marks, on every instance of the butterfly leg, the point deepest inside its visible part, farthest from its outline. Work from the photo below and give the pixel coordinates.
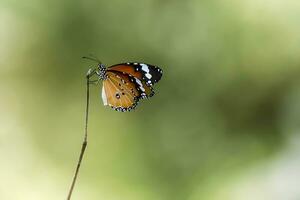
(91, 72)
(95, 82)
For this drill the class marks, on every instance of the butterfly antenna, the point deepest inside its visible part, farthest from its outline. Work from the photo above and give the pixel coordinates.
(92, 57)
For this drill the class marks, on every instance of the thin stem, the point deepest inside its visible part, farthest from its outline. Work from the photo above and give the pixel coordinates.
(84, 144)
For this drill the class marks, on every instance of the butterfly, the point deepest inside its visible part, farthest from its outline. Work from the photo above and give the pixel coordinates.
(125, 84)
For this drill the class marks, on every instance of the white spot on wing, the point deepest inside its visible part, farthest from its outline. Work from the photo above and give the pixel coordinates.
(149, 76)
(104, 98)
(145, 67)
(140, 84)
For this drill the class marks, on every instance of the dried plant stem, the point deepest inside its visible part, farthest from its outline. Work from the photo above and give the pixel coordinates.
(84, 144)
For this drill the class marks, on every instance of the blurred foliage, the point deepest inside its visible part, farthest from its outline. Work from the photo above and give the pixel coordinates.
(230, 68)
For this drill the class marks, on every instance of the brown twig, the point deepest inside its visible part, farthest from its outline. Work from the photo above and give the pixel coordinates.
(84, 144)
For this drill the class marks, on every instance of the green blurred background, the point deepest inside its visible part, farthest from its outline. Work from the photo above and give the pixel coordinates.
(223, 125)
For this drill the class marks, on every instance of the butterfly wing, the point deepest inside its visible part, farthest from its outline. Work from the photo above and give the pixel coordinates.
(127, 83)
(149, 74)
(149, 92)
(144, 91)
(120, 91)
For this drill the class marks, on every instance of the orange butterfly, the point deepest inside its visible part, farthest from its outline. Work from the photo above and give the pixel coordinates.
(126, 83)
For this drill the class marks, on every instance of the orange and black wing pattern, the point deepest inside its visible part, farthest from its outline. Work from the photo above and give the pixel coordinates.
(125, 84)
(149, 74)
(119, 92)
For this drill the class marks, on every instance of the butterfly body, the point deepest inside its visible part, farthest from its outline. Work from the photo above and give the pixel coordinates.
(126, 83)
(102, 72)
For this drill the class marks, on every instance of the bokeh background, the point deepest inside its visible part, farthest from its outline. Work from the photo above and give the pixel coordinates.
(223, 125)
